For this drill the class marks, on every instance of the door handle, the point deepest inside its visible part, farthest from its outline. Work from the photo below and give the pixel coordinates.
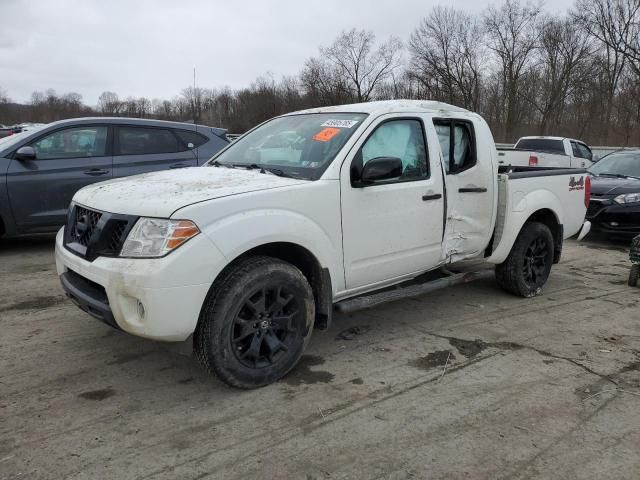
(96, 172)
(179, 165)
(472, 190)
(434, 196)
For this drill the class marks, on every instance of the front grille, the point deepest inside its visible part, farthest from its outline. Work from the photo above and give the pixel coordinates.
(92, 233)
(117, 236)
(84, 223)
(594, 208)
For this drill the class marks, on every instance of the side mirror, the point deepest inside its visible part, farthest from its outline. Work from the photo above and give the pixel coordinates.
(25, 153)
(380, 168)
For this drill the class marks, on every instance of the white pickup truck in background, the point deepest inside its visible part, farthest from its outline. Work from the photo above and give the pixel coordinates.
(555, 152)
(311, 211)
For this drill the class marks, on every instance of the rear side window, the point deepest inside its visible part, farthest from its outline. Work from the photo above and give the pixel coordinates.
(457, 143)
(194, 138)
(541, 145)
(147, 141)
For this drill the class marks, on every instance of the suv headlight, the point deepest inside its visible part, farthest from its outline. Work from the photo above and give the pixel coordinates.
(627, 198)
(155, 237)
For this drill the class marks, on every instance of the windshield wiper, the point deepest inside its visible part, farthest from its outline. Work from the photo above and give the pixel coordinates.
(275, 171)
(616, 175)
(216, 163)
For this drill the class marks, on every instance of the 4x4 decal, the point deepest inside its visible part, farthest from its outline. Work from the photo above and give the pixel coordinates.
(576, 185)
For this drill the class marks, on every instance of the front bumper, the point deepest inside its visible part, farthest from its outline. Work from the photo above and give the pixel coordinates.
(157, 298)
(615, 219)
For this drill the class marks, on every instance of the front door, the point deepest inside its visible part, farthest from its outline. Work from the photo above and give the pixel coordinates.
(392, 228)
(68, 159)
(470, 185)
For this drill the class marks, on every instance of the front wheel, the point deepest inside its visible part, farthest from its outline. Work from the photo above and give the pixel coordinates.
(255, 323)
(527, 268)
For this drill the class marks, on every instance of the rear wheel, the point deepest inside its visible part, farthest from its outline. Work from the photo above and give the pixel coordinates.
(255, 323)
(527, 268)
(634, 274)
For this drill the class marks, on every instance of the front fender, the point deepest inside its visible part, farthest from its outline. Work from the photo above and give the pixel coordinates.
(520, 207)
(242, 231)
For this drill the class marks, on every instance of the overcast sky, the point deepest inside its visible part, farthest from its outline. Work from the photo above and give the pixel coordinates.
(150, 47)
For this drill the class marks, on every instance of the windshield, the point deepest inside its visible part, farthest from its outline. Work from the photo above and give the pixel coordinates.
(625, 164)
(300, 146)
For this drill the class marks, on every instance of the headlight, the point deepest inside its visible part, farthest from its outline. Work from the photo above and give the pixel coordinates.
(627, 198)
(155, 237)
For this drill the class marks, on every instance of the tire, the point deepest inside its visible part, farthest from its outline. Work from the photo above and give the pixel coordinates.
(255, 323)
(527, 268)
(634, 274)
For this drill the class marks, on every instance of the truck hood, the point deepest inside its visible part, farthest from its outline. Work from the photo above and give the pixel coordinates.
(159, 194)
(605, 186)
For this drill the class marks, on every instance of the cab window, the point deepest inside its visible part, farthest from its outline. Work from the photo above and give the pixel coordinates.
(403, 139)
(457, 143)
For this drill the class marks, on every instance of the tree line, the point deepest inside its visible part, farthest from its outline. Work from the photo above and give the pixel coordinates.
(526, 71)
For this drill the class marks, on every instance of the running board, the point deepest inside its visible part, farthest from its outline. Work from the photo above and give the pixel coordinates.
(371, 300)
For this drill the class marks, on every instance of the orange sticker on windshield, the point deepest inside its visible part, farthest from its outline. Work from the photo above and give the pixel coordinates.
(326, 134)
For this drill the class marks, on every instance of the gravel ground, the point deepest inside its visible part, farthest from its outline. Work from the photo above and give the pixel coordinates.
(468, 382)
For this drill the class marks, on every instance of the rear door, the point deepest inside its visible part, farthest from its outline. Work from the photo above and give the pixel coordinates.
(146, 149)
(470, 180)
(67, 159)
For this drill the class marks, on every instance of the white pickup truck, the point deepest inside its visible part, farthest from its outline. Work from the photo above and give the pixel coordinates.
(308, 212)
(558, 152)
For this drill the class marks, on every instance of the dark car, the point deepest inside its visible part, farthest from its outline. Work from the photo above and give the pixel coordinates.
(615, 194)
(41, 169)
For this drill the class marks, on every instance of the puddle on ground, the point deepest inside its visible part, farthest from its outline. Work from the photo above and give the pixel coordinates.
(468, 348)
(433, 359)
(350, 333)
(303, 375)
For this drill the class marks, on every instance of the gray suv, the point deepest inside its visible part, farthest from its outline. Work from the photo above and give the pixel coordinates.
(41, 169)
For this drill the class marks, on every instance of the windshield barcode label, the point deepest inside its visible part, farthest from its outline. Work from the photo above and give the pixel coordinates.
(339, 123)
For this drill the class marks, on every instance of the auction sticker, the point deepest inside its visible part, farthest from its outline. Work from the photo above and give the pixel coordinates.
(339, 123)
(326, 134)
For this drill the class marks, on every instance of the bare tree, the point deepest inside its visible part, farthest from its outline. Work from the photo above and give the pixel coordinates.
(564, 51)
(446, 56)
(615, 23)
(109, 103)
(363, 66)
(323, 83)
(4, 97)
(513, 32)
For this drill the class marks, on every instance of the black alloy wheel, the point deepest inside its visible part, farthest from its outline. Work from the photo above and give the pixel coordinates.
(266, 326)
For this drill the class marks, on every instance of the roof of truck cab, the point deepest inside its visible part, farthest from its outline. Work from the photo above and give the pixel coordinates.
(534, 137)
(388, 106)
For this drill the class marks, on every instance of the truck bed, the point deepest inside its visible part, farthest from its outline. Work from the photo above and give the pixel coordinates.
(514, 172)
(551, 194)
